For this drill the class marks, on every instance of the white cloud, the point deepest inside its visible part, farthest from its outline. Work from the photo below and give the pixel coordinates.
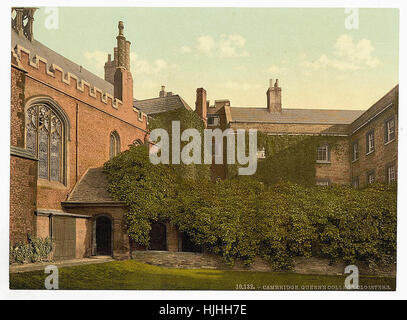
(205, 44)
(347, 55)
(185, 49)
(224, 46)
(96, 60)
(143, 66)
(276, 70)
(229, 46)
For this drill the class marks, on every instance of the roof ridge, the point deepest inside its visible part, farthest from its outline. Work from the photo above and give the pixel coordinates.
(141, 100)
(313, 109)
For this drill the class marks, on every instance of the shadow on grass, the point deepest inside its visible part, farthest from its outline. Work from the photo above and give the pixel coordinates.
(133, 275)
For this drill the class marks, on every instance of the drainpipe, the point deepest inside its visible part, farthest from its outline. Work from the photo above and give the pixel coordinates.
(76, 142)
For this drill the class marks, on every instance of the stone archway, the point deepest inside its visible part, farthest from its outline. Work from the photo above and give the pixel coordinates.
(103, 235)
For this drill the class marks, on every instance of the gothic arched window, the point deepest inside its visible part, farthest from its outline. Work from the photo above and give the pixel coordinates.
(114, 144)
(45, 139)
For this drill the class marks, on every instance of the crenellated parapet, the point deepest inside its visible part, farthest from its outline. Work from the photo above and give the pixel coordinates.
(28, 60)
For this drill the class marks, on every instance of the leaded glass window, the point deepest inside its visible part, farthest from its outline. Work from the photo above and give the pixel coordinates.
(114, 144)
(44, 133)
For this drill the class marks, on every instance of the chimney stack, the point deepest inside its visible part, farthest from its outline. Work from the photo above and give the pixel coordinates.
(162, 92)
(123, 80)
(274, 97)
(201, 104)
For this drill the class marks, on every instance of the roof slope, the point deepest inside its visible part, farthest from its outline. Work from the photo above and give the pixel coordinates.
(376, 108)
(92, 188)
(304, 116)
(37, 48)
(161, 104)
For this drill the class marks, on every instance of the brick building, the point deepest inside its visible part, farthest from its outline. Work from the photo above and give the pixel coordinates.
(65, 124)
(367, 139)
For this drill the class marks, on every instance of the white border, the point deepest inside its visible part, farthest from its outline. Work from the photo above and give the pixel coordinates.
(5, 293)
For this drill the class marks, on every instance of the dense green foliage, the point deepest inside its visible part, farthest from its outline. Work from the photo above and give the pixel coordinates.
(278, 213)
(133, 275)
(35, 250)
(289, 157)
(243, 218)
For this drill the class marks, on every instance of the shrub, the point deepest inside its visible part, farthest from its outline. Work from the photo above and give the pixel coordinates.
(37, 249)
(244, 218)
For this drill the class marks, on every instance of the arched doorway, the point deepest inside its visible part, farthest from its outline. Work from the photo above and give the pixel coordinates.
(158, 237)
(103, 236)
(188, 245)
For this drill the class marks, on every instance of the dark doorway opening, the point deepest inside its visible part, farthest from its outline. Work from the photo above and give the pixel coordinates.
(188, 245)
(158, 237)
(103, 236)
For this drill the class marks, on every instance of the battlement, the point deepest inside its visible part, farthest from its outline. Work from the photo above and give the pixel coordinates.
(24, 59)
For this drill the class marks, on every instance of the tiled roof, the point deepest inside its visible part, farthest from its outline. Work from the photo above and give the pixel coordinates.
(92, 188)
(37, 48)
(160, 105)
(306, 116)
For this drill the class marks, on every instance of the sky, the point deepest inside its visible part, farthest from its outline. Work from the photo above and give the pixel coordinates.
(323, 58)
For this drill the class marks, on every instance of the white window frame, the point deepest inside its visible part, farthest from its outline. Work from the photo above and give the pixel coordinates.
(326, 152)
(355, 151)
(355, 182)
(390, 130)
(322, 182)
(391, 173)
(370, 143)
(371, 177)
(261, 154)
(216, 121)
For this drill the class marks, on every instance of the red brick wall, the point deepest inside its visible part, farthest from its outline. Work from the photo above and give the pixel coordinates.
(23, 176)
(17, 108)
(90, 127)
(23, 171)
(172, 237)
(83, 238)
(338, 170)
(383, 155)
(84, 230)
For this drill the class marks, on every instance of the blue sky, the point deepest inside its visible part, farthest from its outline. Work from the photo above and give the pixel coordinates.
(232, 52)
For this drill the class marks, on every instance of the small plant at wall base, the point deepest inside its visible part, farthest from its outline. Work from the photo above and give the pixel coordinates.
(35, 250)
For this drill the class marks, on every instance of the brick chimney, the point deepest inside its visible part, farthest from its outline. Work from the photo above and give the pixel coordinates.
(274, 97)
(200, 104)
(162, 92)
(123, 80)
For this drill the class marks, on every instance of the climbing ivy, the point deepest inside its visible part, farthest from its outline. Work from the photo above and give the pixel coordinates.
(278, 213)
(290, 157)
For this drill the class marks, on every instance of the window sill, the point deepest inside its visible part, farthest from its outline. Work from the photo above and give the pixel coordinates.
(388, 142)
(323, 162)
(50, 184)
(353, 161)
(370, 152)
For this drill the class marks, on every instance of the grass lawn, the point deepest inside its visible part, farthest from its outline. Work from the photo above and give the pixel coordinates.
(133, 275)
